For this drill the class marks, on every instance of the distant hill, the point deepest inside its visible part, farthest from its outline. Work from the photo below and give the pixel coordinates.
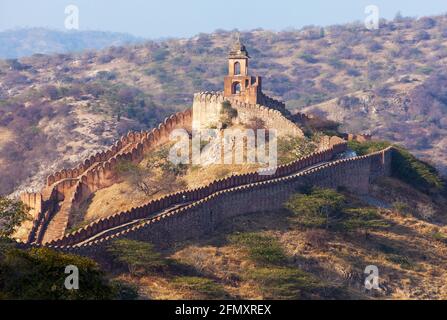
(26, 42)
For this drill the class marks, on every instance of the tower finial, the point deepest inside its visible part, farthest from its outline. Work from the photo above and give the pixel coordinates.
(238, 48)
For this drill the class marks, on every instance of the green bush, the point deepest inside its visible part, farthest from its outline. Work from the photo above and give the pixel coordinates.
(227, 114)
(365, 219)
(160, 159)
(288, 283)
(316, 209)
(405, 166)
(12, 214)
(291, 149)
(416, 173)
(367, 147)
(261, 249)
(40, 274)
(327, 208)
(139, 257)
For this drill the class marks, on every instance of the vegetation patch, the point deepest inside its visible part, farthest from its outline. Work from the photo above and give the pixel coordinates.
(284, 282)
(329, 209)
(291, 148)
(316, 209)
(12, 214)
(39, 274)
(367, 147)
(227, 114)
(140, 258)
(403, 261)
(406, 167)
(203, 287)
(261, 249)
(275, 276)
(419, 174)
(156, 173)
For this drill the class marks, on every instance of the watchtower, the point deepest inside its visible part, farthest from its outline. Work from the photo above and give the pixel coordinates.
(238, 83)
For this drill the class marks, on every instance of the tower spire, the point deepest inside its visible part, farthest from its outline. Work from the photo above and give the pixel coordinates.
(238, 49)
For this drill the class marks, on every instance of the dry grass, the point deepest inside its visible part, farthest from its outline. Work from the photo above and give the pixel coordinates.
(5, 136)
(114, 199)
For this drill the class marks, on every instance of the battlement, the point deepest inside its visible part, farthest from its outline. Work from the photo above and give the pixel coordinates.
(210, 209)
(207, 108)
(73, 186)
(199, 193)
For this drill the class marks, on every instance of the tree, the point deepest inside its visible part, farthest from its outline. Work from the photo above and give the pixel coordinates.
(227, 114)
(291, 148)
(39, 274)
(12, 214)
(139, 257)
(318, 208)
(158, 173)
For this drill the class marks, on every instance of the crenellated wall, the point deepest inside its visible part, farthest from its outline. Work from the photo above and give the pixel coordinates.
(207, 108)
(126, 145)
(104, 174)
(73, 186)
(337, 146)
(273, 103)
(204, 215)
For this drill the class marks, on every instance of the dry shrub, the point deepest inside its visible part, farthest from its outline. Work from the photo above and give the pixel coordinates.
(317, 237)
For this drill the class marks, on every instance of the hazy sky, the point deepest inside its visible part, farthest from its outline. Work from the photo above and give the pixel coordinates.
(181, 18)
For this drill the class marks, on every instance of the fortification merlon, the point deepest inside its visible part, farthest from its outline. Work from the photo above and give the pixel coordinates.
(93, 159)
(274, 104)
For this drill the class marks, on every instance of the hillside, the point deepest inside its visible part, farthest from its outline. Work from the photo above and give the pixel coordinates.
(58, 109)
(19, 43)
(275, 255)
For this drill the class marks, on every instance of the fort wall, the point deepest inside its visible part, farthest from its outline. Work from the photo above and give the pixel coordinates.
(97, 172)
(34, 202)
(195, 194)
(204, 215)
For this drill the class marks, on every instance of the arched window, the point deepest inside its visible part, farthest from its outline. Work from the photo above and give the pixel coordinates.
(237, 68)
(236, 88)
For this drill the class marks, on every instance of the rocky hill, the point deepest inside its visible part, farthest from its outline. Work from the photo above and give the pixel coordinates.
(55, 110)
